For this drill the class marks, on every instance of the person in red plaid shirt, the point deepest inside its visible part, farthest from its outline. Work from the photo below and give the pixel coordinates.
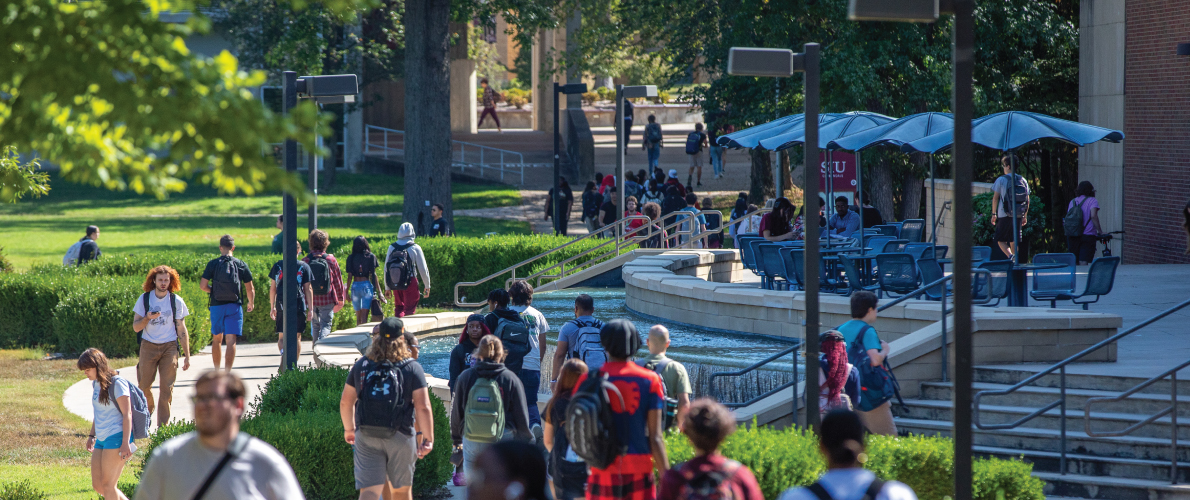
(327, 281)
(638, 422)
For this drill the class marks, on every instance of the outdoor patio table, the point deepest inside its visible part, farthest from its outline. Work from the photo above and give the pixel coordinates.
(1018, 281)
(864, 266)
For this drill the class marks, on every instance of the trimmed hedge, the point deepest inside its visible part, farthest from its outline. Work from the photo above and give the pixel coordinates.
(790, 458)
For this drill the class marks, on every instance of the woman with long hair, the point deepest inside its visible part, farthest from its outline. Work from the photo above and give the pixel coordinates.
(775, 225)
(655, 235)
(1083, 245)
(362, 265)
(838, 380)
(740, 210)
(110, 439)
(568, 471)
(490, 367)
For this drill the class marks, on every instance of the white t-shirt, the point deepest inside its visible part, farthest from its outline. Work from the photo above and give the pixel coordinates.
(162, 329)
(179, 466)
(108, 419)
(537, 326)
(851, 484)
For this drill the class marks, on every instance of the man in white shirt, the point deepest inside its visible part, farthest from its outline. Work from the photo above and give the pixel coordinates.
(160, 317)
(522, 299)
(180, 467)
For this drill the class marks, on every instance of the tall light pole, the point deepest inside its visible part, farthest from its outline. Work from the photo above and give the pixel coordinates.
(626, 92)
(569, 88)
(746, 61)
(963, 46)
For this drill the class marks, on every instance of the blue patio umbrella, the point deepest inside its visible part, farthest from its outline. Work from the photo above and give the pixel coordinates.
(751, 137)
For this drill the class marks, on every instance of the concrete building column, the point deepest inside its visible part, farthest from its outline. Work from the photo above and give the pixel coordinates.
(543, 81)
(1101, 102)
(463, 110)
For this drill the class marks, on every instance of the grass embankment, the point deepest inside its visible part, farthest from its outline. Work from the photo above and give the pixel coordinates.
(39, 439)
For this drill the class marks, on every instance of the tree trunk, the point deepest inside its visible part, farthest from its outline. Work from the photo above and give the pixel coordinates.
(762, 177)
(786, 187)
(1051, 174)
(911, 190)
(881, 190)
(427, 110)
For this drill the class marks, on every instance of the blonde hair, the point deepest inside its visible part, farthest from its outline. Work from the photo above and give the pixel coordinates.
(490, 349)
(391, 350)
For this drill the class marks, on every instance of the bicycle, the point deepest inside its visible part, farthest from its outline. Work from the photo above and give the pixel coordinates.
(1105, 238)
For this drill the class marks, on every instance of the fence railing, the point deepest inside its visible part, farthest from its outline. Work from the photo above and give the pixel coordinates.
(389, 142)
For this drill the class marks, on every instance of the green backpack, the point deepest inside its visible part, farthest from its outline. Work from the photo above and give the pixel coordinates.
(1073, 223)
(484, 419)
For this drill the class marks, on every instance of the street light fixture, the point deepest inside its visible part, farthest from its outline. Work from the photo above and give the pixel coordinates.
(750, 61)
(568, 89)
(325, 88)
(906, 11)
(626, 92)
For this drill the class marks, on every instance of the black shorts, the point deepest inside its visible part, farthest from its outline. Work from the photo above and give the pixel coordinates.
(1004, 230)
(301, 326)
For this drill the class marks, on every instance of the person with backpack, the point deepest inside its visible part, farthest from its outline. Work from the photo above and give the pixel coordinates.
(695, 223)
(615, 420)
(655, 236)
(841, 442)
(865, 346)
(1010, 197)
(672, 180)
(362, 265)
(228, 281)
(521, 293)
(674, 378)
(404, 264)
(567, 469)
(709, 475)
(695, 142)
(653, 193)
(84, 250)
(1082, 223)
(305, 298)
(489, 405)
(591, 202)
(714, 130)
(326, 281)
(579, 338)
(632, 187)
(110, 440)
(159, 316)
(385, 409)
(838, 380)
(511, 328)
(652, 141)
(607, 213)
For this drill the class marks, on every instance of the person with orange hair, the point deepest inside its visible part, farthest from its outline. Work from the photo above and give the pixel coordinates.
(159, 318)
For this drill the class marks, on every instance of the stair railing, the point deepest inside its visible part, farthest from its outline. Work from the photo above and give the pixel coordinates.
(1060, 403)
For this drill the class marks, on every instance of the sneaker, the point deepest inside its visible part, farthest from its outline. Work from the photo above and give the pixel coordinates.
(699, 183)
(537, 432)
(458, 480)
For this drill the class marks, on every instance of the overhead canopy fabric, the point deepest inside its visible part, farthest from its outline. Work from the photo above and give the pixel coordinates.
(751, 137)
(895, 133)
(1009, 130)
(837, 126)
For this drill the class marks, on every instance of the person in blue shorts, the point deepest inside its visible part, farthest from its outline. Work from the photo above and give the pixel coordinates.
(229, 282)
(110, 439)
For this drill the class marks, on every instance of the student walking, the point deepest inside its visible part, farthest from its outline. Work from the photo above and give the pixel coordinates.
(462, 355)
(652, 141)
(438, 225)
(511, 328)
(521, 293)
(714, 130)
(489, 407)
(160, 317)
(695, 142)
(279, 239)
(305, 298)
(362, 266)
(568, 471)
(674, 378)
(326, 281)
(216, 461)
(1008, 191)
(227, 280)
(875, 414)
(565, 197)
(385, 408)
(84, 250)
(838, 380)
(579, 338)
(591, 201)
(1082, 223)
(110, 439)
(707, 425)
(403, 265)
(695, 222)
(842, 444)
(608, 214)
(656, 236)
(653, 193)
(510, 470)
(490, 98)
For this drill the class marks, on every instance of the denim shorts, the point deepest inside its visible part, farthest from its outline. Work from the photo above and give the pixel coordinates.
(112, 442)
(361, 295)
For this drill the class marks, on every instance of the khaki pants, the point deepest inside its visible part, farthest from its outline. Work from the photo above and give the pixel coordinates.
(158, 359)
(879, 420)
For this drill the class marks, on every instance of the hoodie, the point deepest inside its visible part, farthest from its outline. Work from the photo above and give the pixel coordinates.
(516, 413)
(460, 356)
(405, 236)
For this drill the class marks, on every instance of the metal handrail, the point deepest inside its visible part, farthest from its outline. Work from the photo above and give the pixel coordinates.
(756, 366)
(1172, 411)
(1061, 368)
(727, 225)
(462, 156)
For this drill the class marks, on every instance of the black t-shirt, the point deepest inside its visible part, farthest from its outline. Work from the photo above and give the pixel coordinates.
(362, 265)
(610, 216)
(242, 270)
(438, 227)
(303, 275)
(89, 251)
(412, 379)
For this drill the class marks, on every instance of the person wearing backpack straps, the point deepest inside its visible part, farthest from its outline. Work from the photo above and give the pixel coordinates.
(674, 378)
(860, 332)
(326, 280)
(385, 408)
(404, 269)
(489, 405)
(579, 338)
(365, 285)
(222, 279)
(160, 316)
(512, 330)
(216, 461)
(111, 436)
(1010, 197)
(84, 250)
(841, 442)
(696, 142)
(709, 475)
(567, 470)
(305, 298)
(1082, 223)
(521, 293)
(652, 141)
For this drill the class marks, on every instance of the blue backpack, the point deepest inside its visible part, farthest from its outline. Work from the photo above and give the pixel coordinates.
(877, 383)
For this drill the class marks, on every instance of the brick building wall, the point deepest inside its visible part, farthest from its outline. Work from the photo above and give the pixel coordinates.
(1157, 130)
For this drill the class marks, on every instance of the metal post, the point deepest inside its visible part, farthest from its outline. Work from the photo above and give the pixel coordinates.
(859, 195)
(289, 266)
(312, 213)
(557, 168)
(933, 210)
(811, 266)
(945, 348)
(963, 36)
(1016, 228)
(620, 140)
(1062, 421)
(1173, 427)
(778, 186)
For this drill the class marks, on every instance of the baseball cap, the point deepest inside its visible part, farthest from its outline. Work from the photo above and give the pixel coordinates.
(673, 173)
(391, 327)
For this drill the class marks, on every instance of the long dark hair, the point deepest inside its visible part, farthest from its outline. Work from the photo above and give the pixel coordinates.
(570, 372)
(741, 206)
(782, 211)
(1085, 188)
(590, 186)
(360, 245)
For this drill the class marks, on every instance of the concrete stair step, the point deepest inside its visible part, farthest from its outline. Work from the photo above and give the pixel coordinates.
(926, 409)
(1114, 488)
(1024, 438)
(1011, 376)
(1037, 397)
(1090, 465)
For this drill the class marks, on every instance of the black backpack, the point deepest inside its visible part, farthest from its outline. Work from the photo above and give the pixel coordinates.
(1020, 196)
(694, 143)
(671, 404)
(590, 427)
(515, 336)
(173, 307)
(361, 265)
(398, 267)
(873, 490)
(381, 400)
(320, 274)
(673, 200)
(653, 133)
(225, 283)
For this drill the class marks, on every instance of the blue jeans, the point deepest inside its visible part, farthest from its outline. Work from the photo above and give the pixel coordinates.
(531, 379)
(654, 155)
(324, 321)
(362, 294)
(717, 159)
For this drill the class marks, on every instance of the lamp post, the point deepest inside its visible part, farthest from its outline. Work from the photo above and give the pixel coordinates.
(963, 43)
(777, 63)
(569, 88)
(324, 90)
(626, 92)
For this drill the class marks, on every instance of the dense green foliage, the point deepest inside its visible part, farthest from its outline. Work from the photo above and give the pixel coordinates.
(298, 413)
(21, 490)
(783, 459)
(1036, 235)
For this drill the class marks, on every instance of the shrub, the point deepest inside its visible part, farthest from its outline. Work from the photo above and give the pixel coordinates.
(5, 265)
(21, 490)
(434, 469)
(313, 444)
(589, 98)
(26, 318)
(283, 393)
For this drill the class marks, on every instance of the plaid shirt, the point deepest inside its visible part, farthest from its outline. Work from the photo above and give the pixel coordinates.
(489, 97)
(338, 292)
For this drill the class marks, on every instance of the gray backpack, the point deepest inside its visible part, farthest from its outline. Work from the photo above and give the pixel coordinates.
(138, 404)
(1073, 223)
